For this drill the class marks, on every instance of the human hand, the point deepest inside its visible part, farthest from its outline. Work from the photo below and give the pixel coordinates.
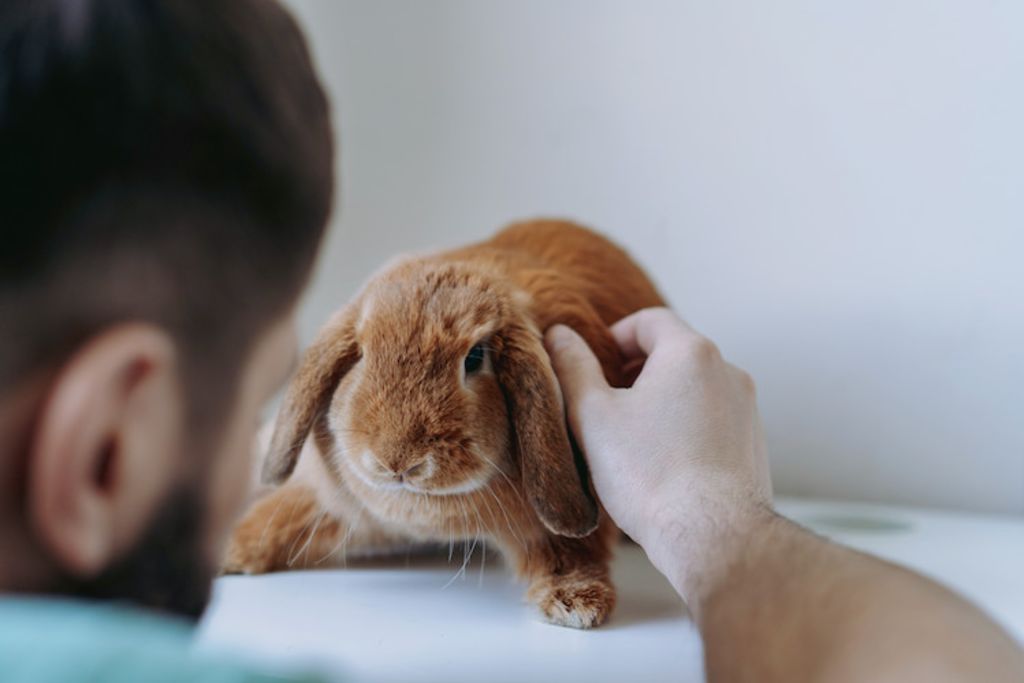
(678, 459)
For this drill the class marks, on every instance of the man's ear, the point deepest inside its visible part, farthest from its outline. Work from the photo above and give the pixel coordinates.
(105, 449)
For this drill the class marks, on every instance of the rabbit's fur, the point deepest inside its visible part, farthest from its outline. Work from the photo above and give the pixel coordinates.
(402, 445)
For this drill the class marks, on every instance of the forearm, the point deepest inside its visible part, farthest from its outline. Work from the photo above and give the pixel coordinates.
(779, 603)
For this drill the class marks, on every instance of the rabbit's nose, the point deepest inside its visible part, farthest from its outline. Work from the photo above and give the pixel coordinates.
(411, 472)
(416, 469)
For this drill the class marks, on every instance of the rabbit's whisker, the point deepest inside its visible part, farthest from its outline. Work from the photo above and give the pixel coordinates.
(498, 469)
(508, 520)
(513, 486)
(483, 562)
(333, 549)
(465, 546)
(291, 515)
(451, 539)
(349, 533)
(309, 539)
(483, 540)
(270, 520)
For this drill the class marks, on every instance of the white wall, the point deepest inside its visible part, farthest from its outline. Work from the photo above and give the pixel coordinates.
(833, 191)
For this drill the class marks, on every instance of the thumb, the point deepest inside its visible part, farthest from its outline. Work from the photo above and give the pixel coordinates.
(574, 363)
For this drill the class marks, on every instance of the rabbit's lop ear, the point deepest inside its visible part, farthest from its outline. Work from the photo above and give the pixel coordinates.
(325, 362)
(553, 483)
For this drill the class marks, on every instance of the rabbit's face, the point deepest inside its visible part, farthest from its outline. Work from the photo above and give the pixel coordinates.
(422, 411)
(434, 383)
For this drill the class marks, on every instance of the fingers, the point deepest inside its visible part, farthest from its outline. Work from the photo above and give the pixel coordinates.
(638, 334)
(578, 370)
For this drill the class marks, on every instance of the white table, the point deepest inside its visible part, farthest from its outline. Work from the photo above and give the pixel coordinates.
(407, 621)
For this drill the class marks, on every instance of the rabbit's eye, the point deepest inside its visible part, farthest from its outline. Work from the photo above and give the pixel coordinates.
(474, 359)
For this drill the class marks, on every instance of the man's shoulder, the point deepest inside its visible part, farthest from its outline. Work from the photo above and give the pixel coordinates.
(69, 641)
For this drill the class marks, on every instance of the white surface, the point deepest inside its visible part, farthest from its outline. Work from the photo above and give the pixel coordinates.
(832, 190)
(394, 622)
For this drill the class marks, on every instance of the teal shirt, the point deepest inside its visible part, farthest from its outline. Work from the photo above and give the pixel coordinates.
(64, 641)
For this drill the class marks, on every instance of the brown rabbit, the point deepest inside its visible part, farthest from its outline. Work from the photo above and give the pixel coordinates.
(435, 414)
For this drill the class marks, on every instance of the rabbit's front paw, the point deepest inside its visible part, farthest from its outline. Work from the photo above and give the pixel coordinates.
(245, 557)
(277, 533)
(579, 599)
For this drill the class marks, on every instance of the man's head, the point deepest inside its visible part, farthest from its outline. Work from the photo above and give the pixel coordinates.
(165, 177)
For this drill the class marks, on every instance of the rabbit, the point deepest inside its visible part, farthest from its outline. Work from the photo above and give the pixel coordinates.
(427, 410)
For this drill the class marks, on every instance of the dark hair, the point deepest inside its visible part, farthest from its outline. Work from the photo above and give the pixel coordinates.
(160, 160)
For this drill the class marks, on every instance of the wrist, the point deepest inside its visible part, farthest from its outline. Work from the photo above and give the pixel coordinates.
(695, 539)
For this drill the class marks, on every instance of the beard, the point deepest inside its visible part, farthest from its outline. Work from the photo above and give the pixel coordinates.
(167, 569)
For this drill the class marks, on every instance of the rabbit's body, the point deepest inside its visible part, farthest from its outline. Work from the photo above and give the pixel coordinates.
(433, 415)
